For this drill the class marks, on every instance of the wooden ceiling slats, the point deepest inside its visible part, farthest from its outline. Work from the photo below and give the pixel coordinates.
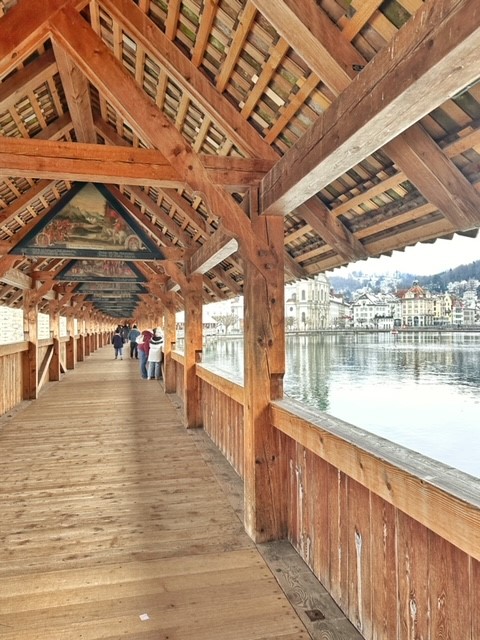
(203, 34)
(264, 57)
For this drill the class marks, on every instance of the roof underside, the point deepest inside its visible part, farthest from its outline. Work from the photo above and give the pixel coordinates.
(356, 121)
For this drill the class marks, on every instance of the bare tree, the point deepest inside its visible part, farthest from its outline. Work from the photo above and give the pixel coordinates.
(226, 319)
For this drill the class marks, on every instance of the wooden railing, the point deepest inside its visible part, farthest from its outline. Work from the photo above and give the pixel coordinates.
(45, 364)
(11, 371)
(392, 535)
(222, 412)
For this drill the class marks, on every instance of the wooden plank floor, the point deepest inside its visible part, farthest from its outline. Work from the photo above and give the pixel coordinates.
(113, 524)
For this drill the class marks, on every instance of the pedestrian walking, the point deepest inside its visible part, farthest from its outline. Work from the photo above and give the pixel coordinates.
(117, 342)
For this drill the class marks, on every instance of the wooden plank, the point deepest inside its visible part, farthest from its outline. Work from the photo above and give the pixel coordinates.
(385, 569)
(414, 611)
(375, 98)
(227, 387)
(451, 615)
(360, 578)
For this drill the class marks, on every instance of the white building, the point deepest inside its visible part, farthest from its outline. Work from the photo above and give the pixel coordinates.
(307, 304)
(371, 311)
(340, 313)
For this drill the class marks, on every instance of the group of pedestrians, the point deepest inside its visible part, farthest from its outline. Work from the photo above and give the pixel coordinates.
(145, 346)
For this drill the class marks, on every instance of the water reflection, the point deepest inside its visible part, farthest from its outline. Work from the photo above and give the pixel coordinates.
(420, 390)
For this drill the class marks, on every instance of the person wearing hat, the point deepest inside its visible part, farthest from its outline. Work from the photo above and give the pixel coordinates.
(155, 355)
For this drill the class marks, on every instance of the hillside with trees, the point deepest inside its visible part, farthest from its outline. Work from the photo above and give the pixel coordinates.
(437, 283)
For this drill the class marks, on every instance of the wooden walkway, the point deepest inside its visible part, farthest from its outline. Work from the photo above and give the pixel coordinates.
(113, 524)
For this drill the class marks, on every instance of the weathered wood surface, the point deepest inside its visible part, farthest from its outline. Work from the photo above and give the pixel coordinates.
(110, 512)
(11, 376)
(400, 565)
(222, 415)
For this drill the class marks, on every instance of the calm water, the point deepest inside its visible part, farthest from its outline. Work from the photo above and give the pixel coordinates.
(419, 390)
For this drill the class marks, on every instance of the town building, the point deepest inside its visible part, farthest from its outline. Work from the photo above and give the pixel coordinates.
(307, 304)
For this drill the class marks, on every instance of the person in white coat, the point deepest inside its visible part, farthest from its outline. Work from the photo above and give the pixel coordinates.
(155, 356)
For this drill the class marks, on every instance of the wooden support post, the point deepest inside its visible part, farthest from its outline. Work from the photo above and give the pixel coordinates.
(81, 348)
(192, 294)
(70, 348)
(30, 357)
(54, 366)
(169, 341)
(265, 461)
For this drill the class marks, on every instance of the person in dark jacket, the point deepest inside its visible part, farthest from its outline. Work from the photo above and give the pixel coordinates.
(143, 341)
(132, 336)
(117, 342)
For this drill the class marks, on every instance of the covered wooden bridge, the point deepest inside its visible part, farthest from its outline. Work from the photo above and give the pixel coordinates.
(158, 155)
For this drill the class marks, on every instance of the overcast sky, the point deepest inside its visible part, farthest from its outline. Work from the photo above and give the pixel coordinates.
(422, 259)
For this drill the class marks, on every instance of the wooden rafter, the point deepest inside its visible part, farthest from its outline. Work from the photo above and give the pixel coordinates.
(217, 248)
(375, 100)
(77, 94)
(191, 79)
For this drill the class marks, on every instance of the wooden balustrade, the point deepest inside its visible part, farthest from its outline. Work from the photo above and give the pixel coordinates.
(11, 375)
(26, 367)
(222, 414)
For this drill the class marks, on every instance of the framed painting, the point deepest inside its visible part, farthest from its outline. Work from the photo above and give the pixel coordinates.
(89, 222)
(101, 271)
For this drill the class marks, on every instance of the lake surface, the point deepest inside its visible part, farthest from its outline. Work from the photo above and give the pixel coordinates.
(421, 390)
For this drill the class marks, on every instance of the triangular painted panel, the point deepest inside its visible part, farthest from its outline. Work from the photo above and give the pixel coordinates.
(101, 271)
(88, 222)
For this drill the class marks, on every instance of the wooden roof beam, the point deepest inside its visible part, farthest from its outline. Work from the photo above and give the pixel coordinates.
(213, 251)
(441, 43)
(204, 29)
(436, 177)
(330, 229)
(120, 165)
(240, 34)
(309, 32)
(77, 94)
(26, 79)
